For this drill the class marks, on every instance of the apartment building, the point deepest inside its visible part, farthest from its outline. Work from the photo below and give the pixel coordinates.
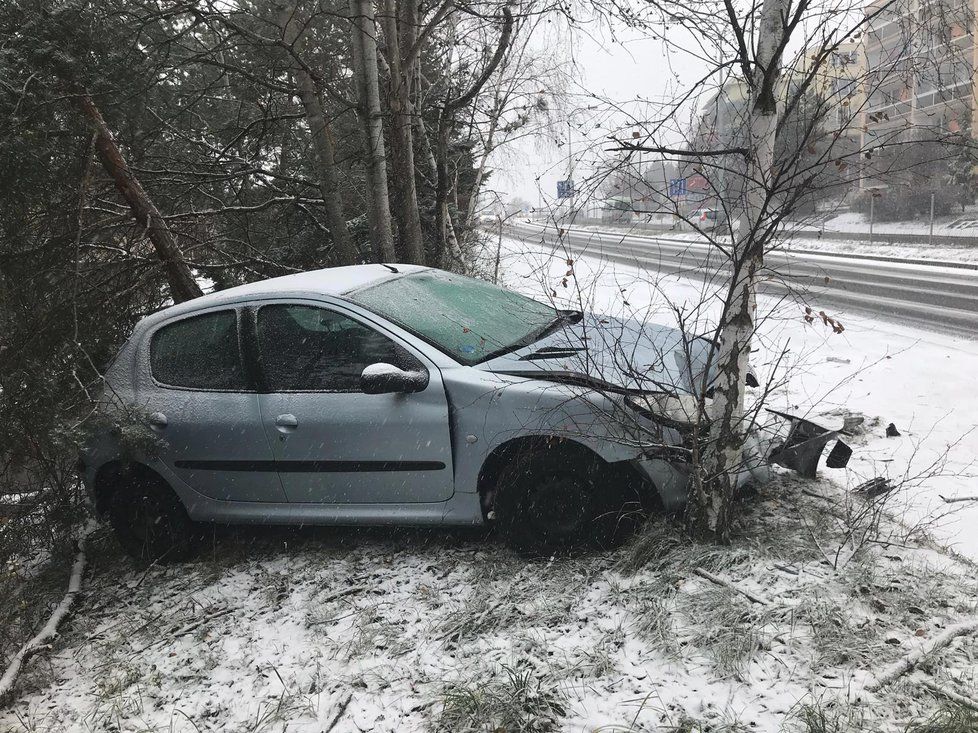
(919, 59)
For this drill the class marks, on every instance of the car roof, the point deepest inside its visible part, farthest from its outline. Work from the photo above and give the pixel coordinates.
(333, 281)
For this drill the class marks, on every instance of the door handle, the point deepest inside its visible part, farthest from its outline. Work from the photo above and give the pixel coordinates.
(286, 423)
(157, 420)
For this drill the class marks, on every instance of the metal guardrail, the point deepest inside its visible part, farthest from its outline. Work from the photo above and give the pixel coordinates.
(819, 253)
(968, 239)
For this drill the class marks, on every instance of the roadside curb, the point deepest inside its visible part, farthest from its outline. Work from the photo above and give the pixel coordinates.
(819, 253)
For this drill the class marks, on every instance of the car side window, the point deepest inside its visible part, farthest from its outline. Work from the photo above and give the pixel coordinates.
(309, 349)
(201, 352)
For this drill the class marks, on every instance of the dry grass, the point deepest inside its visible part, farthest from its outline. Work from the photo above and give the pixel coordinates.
(512, 699)
(948, 719)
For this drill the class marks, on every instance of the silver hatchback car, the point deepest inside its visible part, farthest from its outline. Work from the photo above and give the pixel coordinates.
(394, 394)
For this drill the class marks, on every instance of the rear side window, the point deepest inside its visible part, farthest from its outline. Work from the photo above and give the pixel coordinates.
(309, 349)
(200, 353)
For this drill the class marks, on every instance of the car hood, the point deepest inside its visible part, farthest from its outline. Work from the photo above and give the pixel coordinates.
(621, 355)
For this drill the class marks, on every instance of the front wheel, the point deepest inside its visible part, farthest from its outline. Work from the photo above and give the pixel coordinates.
(545, 501)
(150, 522)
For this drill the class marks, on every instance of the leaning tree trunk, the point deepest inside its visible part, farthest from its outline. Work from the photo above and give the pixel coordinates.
(364, 42)
(400, 34)
(322, 142)
(448, 246)
(709, 512)
(181, 280)
(329, 187)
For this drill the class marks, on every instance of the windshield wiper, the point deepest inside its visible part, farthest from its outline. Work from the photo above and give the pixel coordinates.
(564, 318)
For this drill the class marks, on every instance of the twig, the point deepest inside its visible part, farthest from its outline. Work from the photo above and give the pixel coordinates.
(339, 713)
(727, 584)
(956, 499)
(457, 628)
(345, 592)
(914, 658)
(197, 624)
(950, 694)
(50, 630)
(186, 629)
(815, 495)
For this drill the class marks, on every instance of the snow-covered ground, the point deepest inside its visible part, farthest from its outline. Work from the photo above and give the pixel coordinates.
(965, 252)
(965, 225)
(378, 631)
(342, 630)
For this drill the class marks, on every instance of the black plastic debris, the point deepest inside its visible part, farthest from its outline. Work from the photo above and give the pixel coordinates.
(803, 447)
(875, 487)
(839, 456)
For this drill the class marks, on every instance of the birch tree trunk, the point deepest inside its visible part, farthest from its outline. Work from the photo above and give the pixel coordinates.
(181, 281)
(363, 34)
(400, 32)
(709, 512)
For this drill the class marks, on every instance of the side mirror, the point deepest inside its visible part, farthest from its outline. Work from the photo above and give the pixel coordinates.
(384, 378)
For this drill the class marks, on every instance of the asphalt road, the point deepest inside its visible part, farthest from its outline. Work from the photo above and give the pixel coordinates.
(934, 297)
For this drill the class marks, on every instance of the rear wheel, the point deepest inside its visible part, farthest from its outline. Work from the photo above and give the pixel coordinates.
(150, 522)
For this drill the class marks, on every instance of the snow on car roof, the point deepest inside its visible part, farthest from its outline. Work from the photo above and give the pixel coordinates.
(328, 281)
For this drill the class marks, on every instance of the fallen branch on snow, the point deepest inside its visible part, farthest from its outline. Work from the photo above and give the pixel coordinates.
(727, 584)
(956, 499)
(339, 713)
(950, 694)
(915, 657)
(50, 630)
(344, 592)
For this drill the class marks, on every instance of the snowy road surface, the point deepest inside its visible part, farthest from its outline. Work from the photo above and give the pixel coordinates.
(922, 381)
(941, 298)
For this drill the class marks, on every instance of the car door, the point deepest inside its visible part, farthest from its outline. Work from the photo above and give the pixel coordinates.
(333, 443)
(201, 401)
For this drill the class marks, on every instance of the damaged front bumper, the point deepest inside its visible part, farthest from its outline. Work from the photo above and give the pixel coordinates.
(793, 442)
(803, 446)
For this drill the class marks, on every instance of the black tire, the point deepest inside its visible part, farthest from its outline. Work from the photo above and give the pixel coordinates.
(545, 501)
(150, 522)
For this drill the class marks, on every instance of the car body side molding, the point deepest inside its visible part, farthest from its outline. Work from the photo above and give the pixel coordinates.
(311, 466)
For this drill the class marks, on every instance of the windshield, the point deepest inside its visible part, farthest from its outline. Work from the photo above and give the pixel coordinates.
(468, 319)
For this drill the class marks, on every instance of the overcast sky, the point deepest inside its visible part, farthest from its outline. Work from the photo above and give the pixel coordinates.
(622, 68)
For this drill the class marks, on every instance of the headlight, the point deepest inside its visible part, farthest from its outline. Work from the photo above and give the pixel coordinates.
(679, 410)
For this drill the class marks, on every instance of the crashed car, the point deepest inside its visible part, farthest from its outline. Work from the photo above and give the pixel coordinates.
(401, 395)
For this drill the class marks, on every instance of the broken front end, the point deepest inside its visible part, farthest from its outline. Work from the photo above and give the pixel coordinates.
(786, 440)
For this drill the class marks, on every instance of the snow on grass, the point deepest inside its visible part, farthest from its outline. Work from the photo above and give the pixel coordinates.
(416, 631)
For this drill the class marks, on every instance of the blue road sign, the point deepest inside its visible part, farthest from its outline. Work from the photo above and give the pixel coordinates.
(677, 187)
(565, 189)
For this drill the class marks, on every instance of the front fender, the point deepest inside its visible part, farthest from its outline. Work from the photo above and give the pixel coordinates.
(493, 409)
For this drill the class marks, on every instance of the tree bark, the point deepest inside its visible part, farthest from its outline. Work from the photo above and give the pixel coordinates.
(445, 221)
(448, 246)
(322, 141)
(181, 281)
(363, 35)
(400, 22)
(714, 483)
